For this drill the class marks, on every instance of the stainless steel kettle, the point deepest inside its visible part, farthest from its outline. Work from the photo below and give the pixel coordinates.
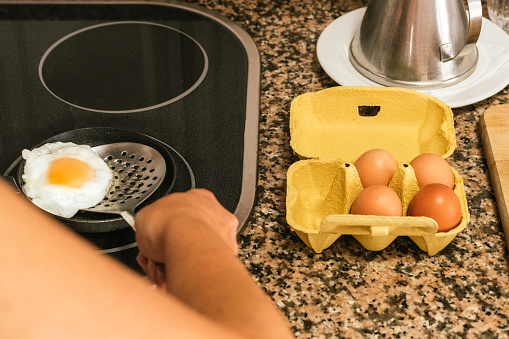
(420, 44)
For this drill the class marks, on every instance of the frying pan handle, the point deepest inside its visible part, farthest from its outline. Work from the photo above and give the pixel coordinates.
(129, 217)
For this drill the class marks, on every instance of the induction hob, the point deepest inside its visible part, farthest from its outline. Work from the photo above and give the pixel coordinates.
(176, 73)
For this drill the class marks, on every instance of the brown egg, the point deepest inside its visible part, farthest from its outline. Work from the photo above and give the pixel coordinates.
(439, 202)
(376, 167)
(431, 168)
(377, 200)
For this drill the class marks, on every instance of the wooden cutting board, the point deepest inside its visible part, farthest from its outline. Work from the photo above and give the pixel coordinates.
(494, 126)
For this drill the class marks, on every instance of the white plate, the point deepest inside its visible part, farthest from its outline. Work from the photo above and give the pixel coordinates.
(490, 76)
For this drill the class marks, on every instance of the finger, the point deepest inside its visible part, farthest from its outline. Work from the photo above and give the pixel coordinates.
(160, 277)
(152, 271)
(142, 261)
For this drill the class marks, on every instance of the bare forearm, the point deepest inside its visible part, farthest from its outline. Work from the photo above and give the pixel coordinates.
(53, 284)
(236, 301)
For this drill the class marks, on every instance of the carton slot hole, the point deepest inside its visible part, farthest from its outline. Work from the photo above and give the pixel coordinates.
(368, 111)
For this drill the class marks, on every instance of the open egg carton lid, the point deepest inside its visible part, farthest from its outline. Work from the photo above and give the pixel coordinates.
(333, 127)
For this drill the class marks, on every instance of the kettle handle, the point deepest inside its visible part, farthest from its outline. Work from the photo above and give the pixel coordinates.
(474, 21)
(447, 51)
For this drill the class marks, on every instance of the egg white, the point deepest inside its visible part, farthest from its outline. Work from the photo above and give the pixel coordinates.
(63, 200)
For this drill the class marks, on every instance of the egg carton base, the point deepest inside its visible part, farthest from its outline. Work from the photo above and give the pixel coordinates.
(428, 244)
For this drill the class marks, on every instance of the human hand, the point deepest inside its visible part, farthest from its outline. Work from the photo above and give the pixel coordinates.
(156, 272)
(197, 208)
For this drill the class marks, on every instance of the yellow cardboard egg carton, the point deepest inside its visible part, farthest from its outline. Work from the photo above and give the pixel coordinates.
(330, 129)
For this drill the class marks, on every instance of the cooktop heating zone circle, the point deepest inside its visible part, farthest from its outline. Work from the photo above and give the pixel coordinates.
(123, 67)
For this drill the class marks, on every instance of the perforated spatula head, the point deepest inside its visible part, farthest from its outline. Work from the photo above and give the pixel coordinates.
(138, 170)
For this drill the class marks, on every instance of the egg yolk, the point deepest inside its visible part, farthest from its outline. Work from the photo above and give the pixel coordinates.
(69, 172)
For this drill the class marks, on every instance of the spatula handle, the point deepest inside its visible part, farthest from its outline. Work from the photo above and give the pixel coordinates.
(129, 217)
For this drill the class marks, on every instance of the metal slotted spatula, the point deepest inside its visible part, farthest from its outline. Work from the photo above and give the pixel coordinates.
(138, 171)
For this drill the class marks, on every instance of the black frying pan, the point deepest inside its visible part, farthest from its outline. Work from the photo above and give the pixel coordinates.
(100, 222)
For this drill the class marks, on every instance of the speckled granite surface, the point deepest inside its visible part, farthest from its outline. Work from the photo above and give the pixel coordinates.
(346, 291)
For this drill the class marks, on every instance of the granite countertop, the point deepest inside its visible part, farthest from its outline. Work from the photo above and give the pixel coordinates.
(347, 291)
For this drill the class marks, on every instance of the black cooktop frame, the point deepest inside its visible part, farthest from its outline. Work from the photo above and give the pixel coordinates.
(251, 100)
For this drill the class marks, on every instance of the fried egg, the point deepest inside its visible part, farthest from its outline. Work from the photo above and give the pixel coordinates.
(62, 177)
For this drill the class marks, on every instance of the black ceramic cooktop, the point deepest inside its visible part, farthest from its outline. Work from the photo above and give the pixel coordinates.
(177, 73)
